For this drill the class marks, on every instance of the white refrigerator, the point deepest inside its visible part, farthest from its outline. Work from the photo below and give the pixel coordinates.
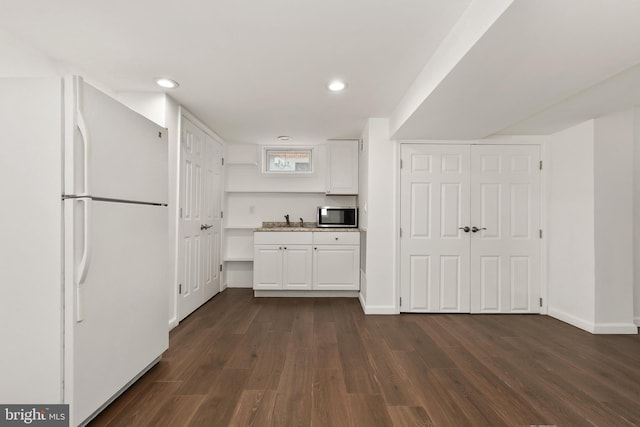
(84, 254)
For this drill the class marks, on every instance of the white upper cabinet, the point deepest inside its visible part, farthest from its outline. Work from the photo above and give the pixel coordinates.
(342, 167)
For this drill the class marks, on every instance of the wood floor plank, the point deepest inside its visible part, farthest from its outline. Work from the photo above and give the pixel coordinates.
(240, 360)
(269, 362)
(219, 404)
(390, 377)
(255, 408)
(409, 416)
(357, 370)
(368, 410)
(329, 399)
(291, 411)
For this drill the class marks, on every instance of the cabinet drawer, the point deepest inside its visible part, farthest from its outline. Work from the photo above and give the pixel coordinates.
(282, 237)
(336, 238)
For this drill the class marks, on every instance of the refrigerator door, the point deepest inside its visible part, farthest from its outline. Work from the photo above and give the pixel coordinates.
(112, 151)
(117, 283)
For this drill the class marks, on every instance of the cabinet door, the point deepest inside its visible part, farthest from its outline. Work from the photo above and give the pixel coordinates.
(297, 269)
(342, 173)
(267, 267)
(336, 267)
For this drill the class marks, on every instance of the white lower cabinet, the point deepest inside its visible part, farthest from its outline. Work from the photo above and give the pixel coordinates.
(282, 260)
(306, 261)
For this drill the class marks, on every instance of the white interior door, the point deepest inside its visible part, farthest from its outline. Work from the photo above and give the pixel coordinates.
(200, 218)
(212, 217)
(190, 287)
(434, 206)
(505, 253)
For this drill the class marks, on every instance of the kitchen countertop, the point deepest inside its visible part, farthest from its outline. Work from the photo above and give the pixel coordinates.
(308, 226)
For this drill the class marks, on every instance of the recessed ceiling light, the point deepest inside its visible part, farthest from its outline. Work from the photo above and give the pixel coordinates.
(284, 138)
(166, 83)
(336, 86)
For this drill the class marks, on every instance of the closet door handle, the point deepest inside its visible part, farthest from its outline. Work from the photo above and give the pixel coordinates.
(465, 228)
(476, 229)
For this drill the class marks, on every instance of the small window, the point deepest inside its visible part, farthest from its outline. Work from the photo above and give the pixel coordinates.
(288, 160)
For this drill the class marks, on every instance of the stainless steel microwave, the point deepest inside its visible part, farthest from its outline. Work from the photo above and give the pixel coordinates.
(338, 217)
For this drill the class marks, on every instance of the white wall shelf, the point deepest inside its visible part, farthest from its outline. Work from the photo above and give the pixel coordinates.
(239, 259)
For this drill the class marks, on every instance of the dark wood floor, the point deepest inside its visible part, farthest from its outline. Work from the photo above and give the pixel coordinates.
(244, 361)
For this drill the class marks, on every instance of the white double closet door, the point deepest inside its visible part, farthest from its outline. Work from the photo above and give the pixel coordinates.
(470, 220)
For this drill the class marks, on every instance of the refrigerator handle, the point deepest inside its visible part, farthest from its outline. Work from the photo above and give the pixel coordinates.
(87, 148)
(85, 260)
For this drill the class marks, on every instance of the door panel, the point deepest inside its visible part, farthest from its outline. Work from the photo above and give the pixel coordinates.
(434, 204)
(267, 267)
(337, 267)
(297, 267)
(505, 258)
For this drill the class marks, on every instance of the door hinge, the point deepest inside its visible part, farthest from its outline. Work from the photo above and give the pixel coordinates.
(221, 214)
(540, 302)
(540, 164)
(400, 163)
(180, 212)
(400, 301)
(220, 267)
(400, 232)
(180, 289)
(223, 161)
(541, 234)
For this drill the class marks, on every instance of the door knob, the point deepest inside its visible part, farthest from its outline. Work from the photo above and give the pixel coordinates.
(476, 229)
(465, 228)
(205, 227)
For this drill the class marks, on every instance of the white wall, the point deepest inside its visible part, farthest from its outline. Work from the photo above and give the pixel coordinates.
(613, 154)
(244, 172)
(591, 227)
(380, 296)
(152, 105)
(571, 256)
(19, 59)
(636, 216)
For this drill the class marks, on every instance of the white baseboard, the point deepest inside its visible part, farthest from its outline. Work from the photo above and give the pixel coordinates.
(616, 328)
(380, 309)
(239, 286)
(636, 320)
(362, 303)
(571, 319)
(594, 328)
(173, 323)
(377, 309)
(306, 294)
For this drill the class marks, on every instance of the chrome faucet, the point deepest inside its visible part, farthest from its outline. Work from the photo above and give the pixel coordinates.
(287, 218)
(301, 222)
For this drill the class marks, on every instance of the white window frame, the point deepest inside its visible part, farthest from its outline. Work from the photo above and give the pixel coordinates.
(265, 160)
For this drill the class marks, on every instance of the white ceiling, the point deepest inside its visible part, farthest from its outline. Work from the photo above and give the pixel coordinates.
(250, 69)
(542, 66)
(255, 69)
